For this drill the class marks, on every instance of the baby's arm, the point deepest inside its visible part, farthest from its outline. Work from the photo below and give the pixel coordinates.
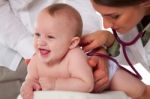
(31, 82)
(81, 77)
(123, 81)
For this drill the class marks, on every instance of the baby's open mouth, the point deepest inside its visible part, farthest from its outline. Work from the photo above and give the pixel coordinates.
(44, 52)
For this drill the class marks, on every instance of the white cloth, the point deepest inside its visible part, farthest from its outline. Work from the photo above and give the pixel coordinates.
(77, 95)
(112, 68)
(15, 39)
(136, 52)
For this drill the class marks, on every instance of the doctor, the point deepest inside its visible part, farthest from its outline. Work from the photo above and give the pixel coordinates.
(129, 18)
(123, 17)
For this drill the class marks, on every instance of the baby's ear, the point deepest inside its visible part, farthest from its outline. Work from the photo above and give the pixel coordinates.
(74, 42)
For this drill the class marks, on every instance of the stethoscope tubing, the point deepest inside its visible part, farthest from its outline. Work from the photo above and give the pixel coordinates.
(123, 44)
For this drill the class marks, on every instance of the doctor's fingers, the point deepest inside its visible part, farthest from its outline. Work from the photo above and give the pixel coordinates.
(101, 85)
(101, 80)
(101, 77)
(93, 61)
(87, 43)
(91, 41)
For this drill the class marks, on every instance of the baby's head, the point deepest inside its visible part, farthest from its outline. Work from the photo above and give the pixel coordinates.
(58, 27)
(66, 17)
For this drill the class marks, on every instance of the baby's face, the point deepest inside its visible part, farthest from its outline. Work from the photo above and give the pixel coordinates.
(52, 37)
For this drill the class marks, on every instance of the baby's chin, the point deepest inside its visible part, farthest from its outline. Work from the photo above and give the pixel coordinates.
(44, 59)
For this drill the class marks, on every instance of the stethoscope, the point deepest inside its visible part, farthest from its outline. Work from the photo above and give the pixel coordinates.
(124, 45)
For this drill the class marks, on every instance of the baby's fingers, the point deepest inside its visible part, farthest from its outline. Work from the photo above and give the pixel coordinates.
(27, 93)
(36, 86)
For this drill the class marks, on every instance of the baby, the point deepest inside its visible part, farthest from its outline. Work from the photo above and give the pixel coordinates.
(60, 64)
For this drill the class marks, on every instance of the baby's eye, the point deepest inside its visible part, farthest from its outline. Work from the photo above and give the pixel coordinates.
(49, 36)
(37, 34)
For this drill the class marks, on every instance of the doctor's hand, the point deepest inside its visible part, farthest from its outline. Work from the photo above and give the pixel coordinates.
(100, 71)
(97, 39)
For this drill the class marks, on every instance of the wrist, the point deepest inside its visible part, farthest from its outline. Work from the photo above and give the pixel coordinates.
(110, 39)
(114, 49)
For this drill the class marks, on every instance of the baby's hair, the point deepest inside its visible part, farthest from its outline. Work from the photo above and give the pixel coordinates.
(119, 3)
(70, 13)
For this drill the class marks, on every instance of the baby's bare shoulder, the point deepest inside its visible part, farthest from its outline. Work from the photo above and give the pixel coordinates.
(76, 52)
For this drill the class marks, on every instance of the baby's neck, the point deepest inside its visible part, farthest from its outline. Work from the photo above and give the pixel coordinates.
(53, 63)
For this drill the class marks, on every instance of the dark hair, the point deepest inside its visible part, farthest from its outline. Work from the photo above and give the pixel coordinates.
(69, 12)
(119, 3)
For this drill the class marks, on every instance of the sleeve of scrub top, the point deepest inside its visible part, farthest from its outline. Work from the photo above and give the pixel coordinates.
(13, 33)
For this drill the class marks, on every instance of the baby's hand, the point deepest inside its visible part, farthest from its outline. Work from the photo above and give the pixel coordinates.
(47, 83)
(27, 89)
